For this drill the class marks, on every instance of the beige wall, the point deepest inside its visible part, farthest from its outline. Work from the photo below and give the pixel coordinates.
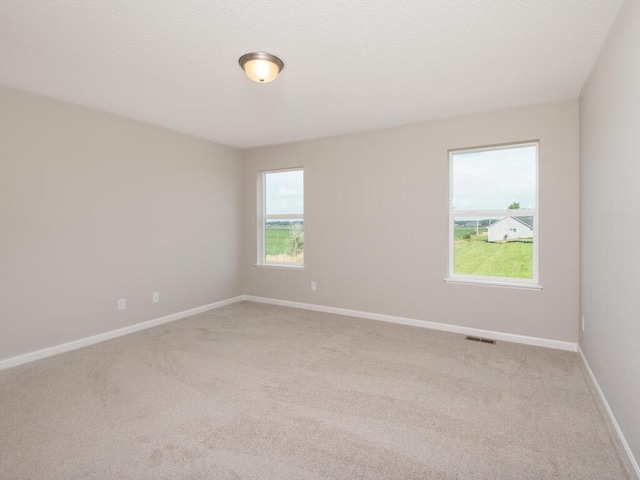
(94, 207)
(610, 191)
(376, 223)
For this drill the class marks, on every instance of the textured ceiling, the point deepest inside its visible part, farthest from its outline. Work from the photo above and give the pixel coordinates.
(350, 65)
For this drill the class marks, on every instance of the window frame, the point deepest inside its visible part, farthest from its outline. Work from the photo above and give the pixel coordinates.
(453, 277)
(262, 218)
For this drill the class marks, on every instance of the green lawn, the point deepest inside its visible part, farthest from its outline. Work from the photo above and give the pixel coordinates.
(479, 257)
(278, 243)
(278, 239)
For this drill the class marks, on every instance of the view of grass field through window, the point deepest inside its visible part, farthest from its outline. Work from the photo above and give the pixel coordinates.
(284, 242)
(475, 255)
(284, 217)
(493, 210)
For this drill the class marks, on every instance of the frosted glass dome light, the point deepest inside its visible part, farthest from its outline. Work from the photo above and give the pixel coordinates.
(261, 67)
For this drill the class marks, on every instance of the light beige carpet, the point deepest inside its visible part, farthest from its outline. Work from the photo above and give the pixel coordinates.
(257, 391)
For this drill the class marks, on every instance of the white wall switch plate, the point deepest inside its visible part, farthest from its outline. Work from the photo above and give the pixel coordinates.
(121, 304)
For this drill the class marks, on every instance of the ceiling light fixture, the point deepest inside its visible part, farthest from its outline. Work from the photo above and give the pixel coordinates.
(261, 67)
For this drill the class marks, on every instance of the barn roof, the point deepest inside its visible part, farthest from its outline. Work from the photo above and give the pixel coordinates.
(526, 221)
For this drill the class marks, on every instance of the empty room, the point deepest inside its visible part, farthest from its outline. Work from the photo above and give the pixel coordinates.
(319, 240)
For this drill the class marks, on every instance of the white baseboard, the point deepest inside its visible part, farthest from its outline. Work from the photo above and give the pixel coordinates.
(627, 448)
(84, 342)
(507, 337)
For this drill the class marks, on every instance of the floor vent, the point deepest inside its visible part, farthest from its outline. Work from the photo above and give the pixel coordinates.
(481, 340)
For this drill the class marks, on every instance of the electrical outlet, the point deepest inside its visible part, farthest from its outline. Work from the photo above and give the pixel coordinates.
(155, 297)
(121, 304)
(314, 286)
(583, 324)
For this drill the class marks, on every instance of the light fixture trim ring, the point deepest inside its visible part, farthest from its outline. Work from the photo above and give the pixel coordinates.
(261, 56)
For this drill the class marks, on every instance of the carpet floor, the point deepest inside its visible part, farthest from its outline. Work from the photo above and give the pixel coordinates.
(253, 391)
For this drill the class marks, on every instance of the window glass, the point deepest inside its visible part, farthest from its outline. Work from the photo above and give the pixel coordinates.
(495, 179)
(284, 192)
(281, 240)
(493, 215)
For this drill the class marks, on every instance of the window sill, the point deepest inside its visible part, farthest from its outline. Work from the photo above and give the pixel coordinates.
(283, 266)
(491, 283)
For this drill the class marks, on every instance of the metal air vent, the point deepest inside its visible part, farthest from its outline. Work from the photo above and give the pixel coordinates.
(480, 340)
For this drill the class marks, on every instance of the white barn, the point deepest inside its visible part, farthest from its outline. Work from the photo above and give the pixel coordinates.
(509, 228)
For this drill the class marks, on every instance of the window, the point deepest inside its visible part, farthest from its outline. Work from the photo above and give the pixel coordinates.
(493, 215)
(281, 218)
